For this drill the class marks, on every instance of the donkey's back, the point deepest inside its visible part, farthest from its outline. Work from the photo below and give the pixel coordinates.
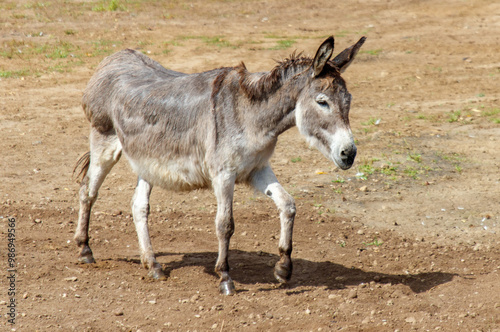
(160, 118)
(130, 84)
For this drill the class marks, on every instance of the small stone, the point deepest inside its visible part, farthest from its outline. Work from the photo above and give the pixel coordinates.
(71, 279)
(353, 293)
(218, 307)
(25, 296)
(152, 302)
(366, 320)
(487, 215)
(361, 232)
(308, 311)
(269, 315)
(363, 189)
(118, 312)
(411, 320)
(194, 298)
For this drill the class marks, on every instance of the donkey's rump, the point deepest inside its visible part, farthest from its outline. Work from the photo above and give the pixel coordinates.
(109, 85)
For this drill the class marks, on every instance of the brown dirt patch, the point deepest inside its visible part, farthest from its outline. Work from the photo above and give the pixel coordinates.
(410, 245)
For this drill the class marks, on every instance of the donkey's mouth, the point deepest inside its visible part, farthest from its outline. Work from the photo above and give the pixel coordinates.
(344, 165)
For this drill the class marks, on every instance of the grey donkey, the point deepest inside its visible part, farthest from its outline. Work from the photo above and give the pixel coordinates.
(210, 130)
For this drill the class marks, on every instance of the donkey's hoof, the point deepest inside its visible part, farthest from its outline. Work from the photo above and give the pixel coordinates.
(283, 272)
(157, 274)
(227, 287)
(87, 259)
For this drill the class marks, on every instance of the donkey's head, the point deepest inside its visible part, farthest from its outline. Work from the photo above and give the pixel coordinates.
(322, 111)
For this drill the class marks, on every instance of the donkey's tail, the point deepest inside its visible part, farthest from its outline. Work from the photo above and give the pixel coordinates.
(82, 166)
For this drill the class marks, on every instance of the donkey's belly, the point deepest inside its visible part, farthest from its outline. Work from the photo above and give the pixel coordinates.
(181, 173)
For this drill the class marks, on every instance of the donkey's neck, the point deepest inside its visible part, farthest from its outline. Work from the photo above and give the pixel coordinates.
(273, 95)
(277, 111)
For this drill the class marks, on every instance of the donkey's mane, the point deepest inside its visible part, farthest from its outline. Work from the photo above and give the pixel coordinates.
(260, 85)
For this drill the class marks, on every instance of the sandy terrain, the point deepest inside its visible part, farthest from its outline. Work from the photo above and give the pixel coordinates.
(408, 239)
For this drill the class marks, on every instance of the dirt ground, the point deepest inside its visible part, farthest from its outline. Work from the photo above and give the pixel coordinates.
(407, 239)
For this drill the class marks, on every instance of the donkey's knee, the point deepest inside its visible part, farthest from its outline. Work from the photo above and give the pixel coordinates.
(225, 228)
(287, 208)
(140, 209)
(87, 198)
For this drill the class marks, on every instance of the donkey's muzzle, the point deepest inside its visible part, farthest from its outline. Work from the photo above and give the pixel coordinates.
(347, 156)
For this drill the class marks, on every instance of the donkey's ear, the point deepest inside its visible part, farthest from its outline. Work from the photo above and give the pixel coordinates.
(323, 54)
(344, 59)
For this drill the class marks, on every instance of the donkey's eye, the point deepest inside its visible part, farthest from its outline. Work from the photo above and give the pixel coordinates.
(322, 101)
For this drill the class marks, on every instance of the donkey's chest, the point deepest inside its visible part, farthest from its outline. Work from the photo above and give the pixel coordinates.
(246, 159)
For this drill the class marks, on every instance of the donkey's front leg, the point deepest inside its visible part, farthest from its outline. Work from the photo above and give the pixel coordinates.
(265, 181)
(140, 211)
(223, 185)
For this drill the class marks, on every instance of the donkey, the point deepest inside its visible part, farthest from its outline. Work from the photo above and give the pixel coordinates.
(211, 129)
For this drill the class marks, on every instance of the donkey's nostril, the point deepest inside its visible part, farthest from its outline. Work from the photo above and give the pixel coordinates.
(348, 154)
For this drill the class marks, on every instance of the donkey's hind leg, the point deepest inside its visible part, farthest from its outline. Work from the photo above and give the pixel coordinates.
(105, 151)
(140, 211)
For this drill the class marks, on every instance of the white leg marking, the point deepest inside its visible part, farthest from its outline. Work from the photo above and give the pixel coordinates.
(266, 182)
(140, 211)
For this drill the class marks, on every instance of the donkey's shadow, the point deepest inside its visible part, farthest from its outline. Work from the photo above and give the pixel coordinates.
(257, 268)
